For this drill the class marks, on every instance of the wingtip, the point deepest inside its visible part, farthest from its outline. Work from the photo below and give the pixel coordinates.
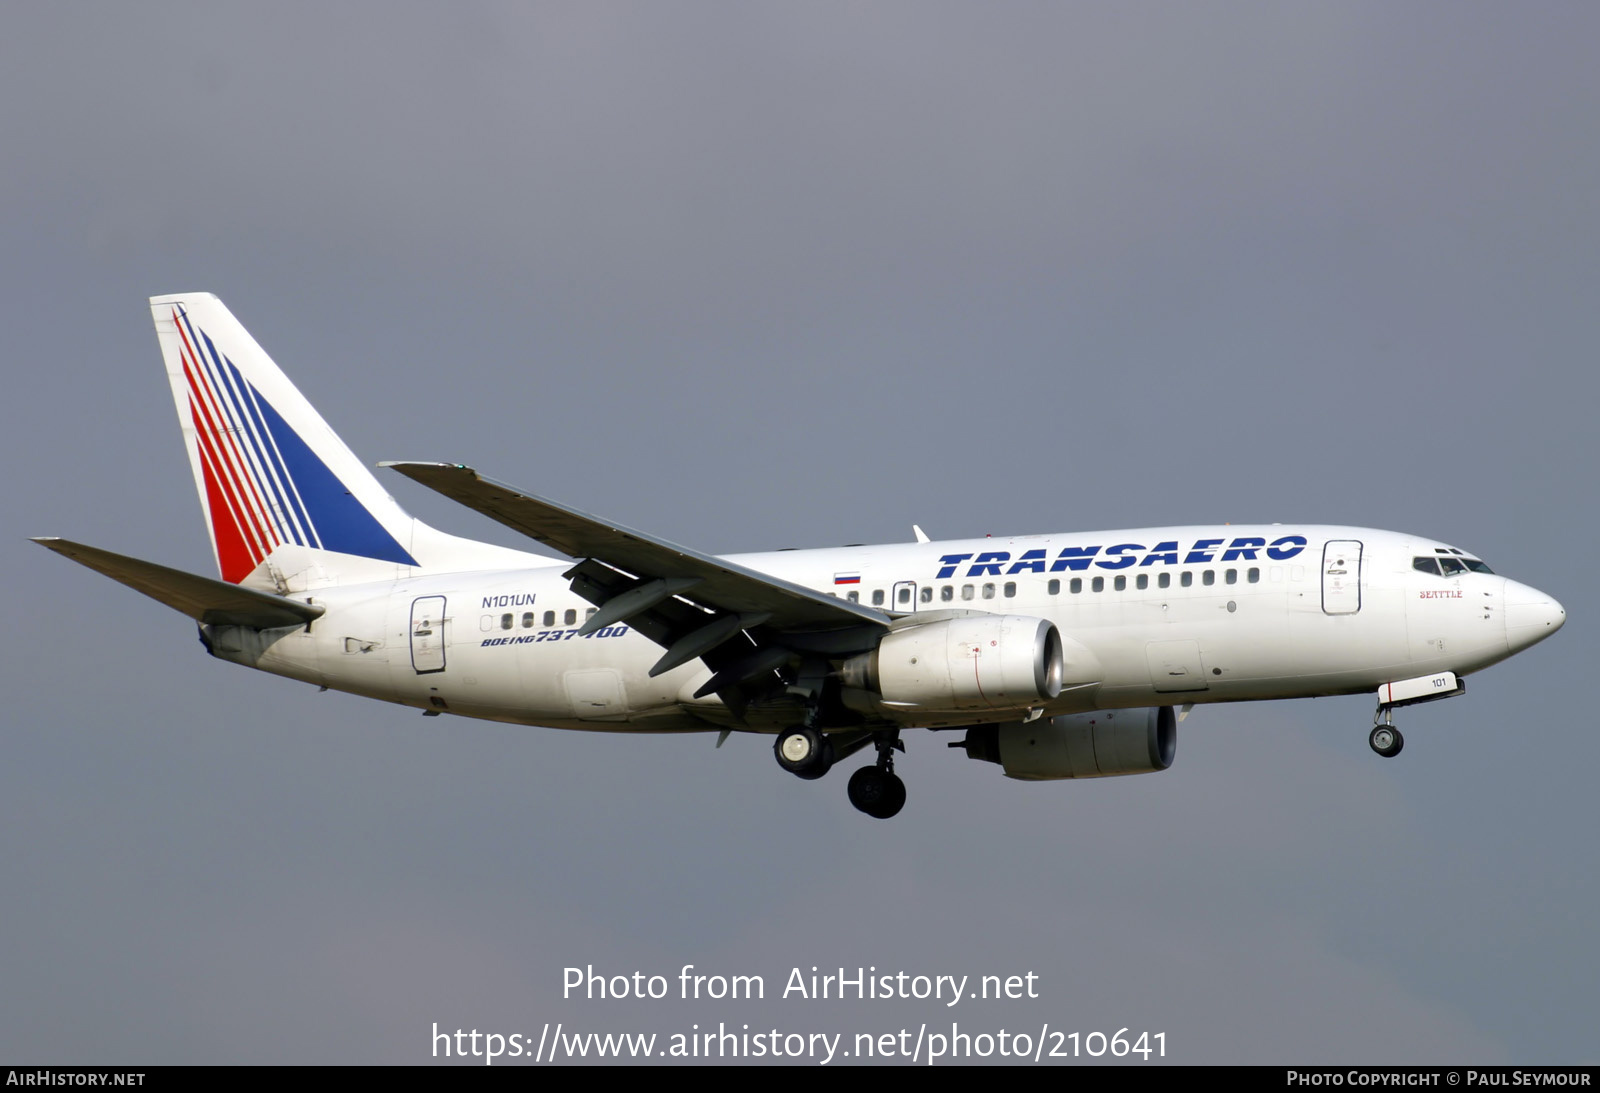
(401, 465)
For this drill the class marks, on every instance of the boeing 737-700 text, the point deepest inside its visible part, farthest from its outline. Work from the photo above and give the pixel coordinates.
(1060, 656)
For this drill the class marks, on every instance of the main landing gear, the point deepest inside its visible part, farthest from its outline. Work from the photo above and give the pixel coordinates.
(804, 752)
(1385, 739)
(875, 790)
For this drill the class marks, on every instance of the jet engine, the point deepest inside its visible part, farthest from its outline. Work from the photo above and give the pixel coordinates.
(975, 662)
(1080, 745)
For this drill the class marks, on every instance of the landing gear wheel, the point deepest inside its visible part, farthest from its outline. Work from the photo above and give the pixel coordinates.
(1386, 741)
(803, 752)
(878, 793)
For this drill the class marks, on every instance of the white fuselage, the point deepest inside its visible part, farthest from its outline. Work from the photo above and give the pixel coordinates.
(1150, 617)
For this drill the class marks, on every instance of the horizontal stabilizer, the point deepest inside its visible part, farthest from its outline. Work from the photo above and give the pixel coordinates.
(216, 603)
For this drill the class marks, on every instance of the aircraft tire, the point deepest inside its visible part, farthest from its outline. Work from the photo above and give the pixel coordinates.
(879, 793)
(803, 752)
(1386, 741)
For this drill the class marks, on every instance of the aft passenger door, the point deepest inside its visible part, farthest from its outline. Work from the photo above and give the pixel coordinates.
(427, 634)
(1341, 577)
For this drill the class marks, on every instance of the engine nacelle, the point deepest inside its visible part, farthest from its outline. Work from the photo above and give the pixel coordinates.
(1080, 745)
(975, 662)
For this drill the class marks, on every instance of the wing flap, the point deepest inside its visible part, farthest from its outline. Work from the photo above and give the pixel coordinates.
(216, 603)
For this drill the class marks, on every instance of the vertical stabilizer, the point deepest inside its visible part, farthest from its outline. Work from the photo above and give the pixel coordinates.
(287, 504)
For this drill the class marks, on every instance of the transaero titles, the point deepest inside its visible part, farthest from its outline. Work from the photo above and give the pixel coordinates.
(1245, 548)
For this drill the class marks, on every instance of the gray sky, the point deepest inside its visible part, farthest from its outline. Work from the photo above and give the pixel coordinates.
(752, 276)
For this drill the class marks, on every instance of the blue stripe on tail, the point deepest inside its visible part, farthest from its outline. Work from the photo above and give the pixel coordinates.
(342, 523)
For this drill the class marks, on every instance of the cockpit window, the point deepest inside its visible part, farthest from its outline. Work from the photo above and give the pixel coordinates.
(1450, 564)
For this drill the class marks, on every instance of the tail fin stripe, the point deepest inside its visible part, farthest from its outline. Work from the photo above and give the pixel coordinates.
(225, 457)
(255, 415)
(227, 520)
(256, 537)
(293, 508)
(236, 556)
(292, 522)
(224, 406)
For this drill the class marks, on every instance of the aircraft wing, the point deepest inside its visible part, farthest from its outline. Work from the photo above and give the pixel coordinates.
(718, 583)
(216, 603)
(741, 622)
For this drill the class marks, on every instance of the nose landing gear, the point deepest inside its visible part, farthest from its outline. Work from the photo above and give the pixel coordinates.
(1385, 739)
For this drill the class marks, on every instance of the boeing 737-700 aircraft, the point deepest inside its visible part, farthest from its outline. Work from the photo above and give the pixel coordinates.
(1060, 656)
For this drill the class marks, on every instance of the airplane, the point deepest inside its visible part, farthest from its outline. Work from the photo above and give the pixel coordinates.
(1058, 656)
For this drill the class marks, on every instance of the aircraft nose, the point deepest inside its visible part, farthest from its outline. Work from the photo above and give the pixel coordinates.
(1531, 615)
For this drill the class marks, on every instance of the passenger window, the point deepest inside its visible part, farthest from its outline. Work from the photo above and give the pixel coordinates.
(1099, 584)
(926, 595)
(947, 593)
(1208, 577)
(527, 620)
(903, 596)
(1186, 580)
(1010, 589)
(486, 623)
(589, 614)
(988, 590)
(505, 622)
(1077, 585)
(549, 618)
(1232, 576)
(1254, 575)
(966, 592)
(1142, 581)
(571, 616)
(1054, 587)
(853, 597)
(1165, 580)
(877, 597)
(1121, 584)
